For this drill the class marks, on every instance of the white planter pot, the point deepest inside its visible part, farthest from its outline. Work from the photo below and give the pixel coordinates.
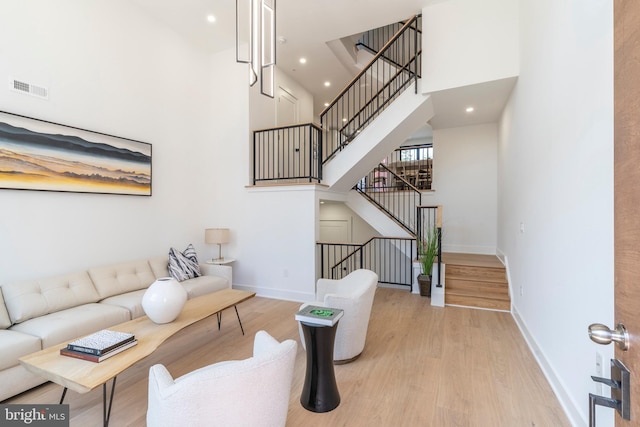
(164, 300)
(415, 287)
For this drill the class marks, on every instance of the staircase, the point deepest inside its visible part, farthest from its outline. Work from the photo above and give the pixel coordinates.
(478, 281)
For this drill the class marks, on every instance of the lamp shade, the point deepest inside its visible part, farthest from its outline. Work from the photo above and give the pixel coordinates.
(216, 235)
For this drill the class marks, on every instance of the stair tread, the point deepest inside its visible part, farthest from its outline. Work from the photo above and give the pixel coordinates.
(477, 302)
(479, 280)
(468, 282)
(472, 260)
(502, 281)
(474, 298)
(476, 294)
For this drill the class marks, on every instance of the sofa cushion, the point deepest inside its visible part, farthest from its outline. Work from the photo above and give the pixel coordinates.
(5, 321)
(183, 265)
(14, 345)
(160, 266)
(28, 299)
(16, 380)
(71, 323)
(132, 301)
(116, 279)
(204, 285)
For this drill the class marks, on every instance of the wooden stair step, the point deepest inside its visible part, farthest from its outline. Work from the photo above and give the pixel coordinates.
(474, 280)
(475, 293)
(491, 274)
(485, 289)
(476, 301)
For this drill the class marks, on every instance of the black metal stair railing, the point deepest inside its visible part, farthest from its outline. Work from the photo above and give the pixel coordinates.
(392, 69)
(396, 184)
(393, 194)
(429, 219)
(374, 40)
(288, 153)
(391, 258)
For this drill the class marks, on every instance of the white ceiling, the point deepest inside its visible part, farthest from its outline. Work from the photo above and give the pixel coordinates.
(307, 26)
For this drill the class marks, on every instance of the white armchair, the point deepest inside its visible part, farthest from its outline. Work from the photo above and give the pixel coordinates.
(354, 294)
(250, 392)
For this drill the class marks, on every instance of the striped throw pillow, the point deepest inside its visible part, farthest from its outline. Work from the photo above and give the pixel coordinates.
(184, 265)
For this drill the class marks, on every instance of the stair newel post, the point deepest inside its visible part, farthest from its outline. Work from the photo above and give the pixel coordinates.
(322, 263)
(439, 227)
(254, 159)
(415, 71)
(312, 173)
(320, 151)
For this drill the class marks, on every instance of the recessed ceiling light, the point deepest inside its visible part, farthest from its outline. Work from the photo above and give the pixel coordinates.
(303, 60)
(327, 84)
(326, 104)
(470, 109)
(211, 18)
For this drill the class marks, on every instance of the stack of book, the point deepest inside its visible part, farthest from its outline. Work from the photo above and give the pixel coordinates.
(99, 346)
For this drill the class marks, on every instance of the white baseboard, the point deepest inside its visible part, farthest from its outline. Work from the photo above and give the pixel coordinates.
(277, 293)
(570, 409)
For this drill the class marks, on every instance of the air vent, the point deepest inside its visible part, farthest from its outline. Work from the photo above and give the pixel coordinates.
(28, 88)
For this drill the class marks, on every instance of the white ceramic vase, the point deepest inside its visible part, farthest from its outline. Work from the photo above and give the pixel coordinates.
(164, 300)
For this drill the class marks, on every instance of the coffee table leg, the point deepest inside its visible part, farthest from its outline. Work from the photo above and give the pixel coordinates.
(237, 314)
(106, 413)
(239, 321)
(64, 393)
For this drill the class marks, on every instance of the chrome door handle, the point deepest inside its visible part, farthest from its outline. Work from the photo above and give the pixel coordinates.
(601, 334)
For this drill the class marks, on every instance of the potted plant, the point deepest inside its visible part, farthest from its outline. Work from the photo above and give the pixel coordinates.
(427, 252)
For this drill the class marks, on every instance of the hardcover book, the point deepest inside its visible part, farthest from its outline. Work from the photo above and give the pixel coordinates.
(326, 316)
(94, 358)
(100, 342)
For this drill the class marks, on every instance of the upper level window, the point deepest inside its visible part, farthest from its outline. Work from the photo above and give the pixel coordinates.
(408, 154)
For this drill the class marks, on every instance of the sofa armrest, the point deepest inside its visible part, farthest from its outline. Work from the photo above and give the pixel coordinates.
(224, 271)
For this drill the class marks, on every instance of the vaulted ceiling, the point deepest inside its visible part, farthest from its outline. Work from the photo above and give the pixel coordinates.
(307, 26)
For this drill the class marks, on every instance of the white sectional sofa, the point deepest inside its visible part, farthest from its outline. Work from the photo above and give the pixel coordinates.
(40, 313)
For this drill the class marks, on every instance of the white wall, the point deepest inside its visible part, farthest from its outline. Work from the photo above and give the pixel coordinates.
(263, 109)
(556, 178)
(465, 184)
(277, 254)
(138, 81)
(143, 82)
(468, 41)
(361, 231)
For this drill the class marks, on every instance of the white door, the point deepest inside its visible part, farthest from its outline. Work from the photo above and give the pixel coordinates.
(335, 231)
(287, 108)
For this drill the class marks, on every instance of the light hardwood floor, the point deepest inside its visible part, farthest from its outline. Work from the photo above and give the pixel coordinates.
(422, 366)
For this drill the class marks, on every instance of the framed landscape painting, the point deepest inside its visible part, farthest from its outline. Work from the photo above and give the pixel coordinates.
(40, 155)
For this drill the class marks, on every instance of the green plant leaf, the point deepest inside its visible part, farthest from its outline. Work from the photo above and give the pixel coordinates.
(428, 250)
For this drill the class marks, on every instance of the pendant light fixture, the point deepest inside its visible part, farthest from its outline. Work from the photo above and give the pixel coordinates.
(256, 41)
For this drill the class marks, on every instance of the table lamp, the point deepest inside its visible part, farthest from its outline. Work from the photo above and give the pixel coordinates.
(217, 236)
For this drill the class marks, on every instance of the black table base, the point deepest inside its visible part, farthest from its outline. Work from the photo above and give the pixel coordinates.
(320, 391)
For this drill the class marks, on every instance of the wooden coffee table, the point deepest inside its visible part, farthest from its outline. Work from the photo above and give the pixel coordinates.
(83, 376)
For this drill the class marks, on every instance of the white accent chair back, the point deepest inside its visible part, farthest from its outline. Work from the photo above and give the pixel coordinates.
(251, 392)
(354, 294)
